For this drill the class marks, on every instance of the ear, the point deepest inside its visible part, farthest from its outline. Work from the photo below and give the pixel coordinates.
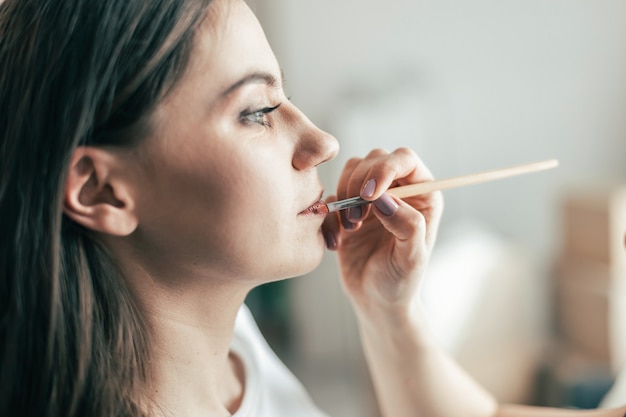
(97, 195)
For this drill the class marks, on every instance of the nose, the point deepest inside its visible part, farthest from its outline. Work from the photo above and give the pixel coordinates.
(314, 146)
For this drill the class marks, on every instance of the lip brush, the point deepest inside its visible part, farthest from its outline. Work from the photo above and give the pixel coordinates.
(430, 186)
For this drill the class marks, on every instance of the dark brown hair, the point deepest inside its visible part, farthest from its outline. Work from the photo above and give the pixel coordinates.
(74, 72)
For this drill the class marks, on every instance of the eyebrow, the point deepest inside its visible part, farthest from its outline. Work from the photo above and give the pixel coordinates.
(257, 77)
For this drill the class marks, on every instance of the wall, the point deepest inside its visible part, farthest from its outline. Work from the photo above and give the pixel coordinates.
(495, 83)
(470, 85)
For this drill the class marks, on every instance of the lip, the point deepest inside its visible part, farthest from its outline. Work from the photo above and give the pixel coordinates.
(307, 211)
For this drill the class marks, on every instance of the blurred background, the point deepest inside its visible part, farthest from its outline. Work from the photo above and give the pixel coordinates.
(525, 285)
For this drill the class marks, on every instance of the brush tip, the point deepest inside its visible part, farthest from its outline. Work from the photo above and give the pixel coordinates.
(319, 208)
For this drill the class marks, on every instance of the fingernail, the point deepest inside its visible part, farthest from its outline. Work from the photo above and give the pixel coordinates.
(347, 224)
(331, 241)
(369, 188)
(386, 205)
(355, 213)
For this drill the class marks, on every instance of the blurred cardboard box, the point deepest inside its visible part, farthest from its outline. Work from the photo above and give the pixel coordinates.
(582, 306)
(594, 223)
(590, 275)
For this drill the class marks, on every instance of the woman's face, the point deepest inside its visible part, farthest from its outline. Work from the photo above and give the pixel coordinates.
(231, 167)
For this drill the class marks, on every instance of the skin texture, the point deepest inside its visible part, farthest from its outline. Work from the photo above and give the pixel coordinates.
(244, 177)
(207, 207)
(214, 202)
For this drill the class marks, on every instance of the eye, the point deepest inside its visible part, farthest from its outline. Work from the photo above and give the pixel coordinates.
(258, 117)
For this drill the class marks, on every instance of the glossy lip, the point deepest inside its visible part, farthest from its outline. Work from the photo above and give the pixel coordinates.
(307, 211)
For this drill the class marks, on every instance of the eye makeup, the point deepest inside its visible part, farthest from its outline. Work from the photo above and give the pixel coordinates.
(257, 116)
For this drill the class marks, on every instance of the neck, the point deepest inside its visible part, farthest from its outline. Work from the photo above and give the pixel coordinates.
(191, 327)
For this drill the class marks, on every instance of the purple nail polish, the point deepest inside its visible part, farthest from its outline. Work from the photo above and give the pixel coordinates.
(369, 188)
(347, 224)
(331, 241)
(386, 205)
(355, 213)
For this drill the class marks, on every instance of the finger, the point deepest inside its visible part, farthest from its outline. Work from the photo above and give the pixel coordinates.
(360, 171)
(350, 221)
(353, 173)
(349, 218)
(397, 217)
(344, 178)
(402, 166)
(406, 224)
(406, 221)
(432, 213)
(331, 228)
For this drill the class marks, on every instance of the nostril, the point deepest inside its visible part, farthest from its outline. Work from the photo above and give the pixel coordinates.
(315, 148)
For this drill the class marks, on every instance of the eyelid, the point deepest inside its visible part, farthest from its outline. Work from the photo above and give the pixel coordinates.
(245, 115)
(264, 110)
(267, 110)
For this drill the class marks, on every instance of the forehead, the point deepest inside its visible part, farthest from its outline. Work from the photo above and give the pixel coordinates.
(230, 45)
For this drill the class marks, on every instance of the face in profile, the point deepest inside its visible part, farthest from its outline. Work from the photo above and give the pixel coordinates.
(231, 166)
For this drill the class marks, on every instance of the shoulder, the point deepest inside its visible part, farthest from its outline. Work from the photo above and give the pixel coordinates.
(271, 388)
(246, 327)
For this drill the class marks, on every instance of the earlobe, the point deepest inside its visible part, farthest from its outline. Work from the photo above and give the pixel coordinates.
(96, 195)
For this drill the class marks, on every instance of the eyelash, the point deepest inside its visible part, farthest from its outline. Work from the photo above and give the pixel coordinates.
(258, 116)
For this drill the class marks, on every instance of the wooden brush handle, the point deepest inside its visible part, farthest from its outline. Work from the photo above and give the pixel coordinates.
(463, 180)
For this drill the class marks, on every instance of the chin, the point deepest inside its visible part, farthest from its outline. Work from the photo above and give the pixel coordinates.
(289, 260)
(306, 261)
(312, 262)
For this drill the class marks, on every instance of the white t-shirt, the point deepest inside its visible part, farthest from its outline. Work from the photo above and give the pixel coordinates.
(271, 390)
